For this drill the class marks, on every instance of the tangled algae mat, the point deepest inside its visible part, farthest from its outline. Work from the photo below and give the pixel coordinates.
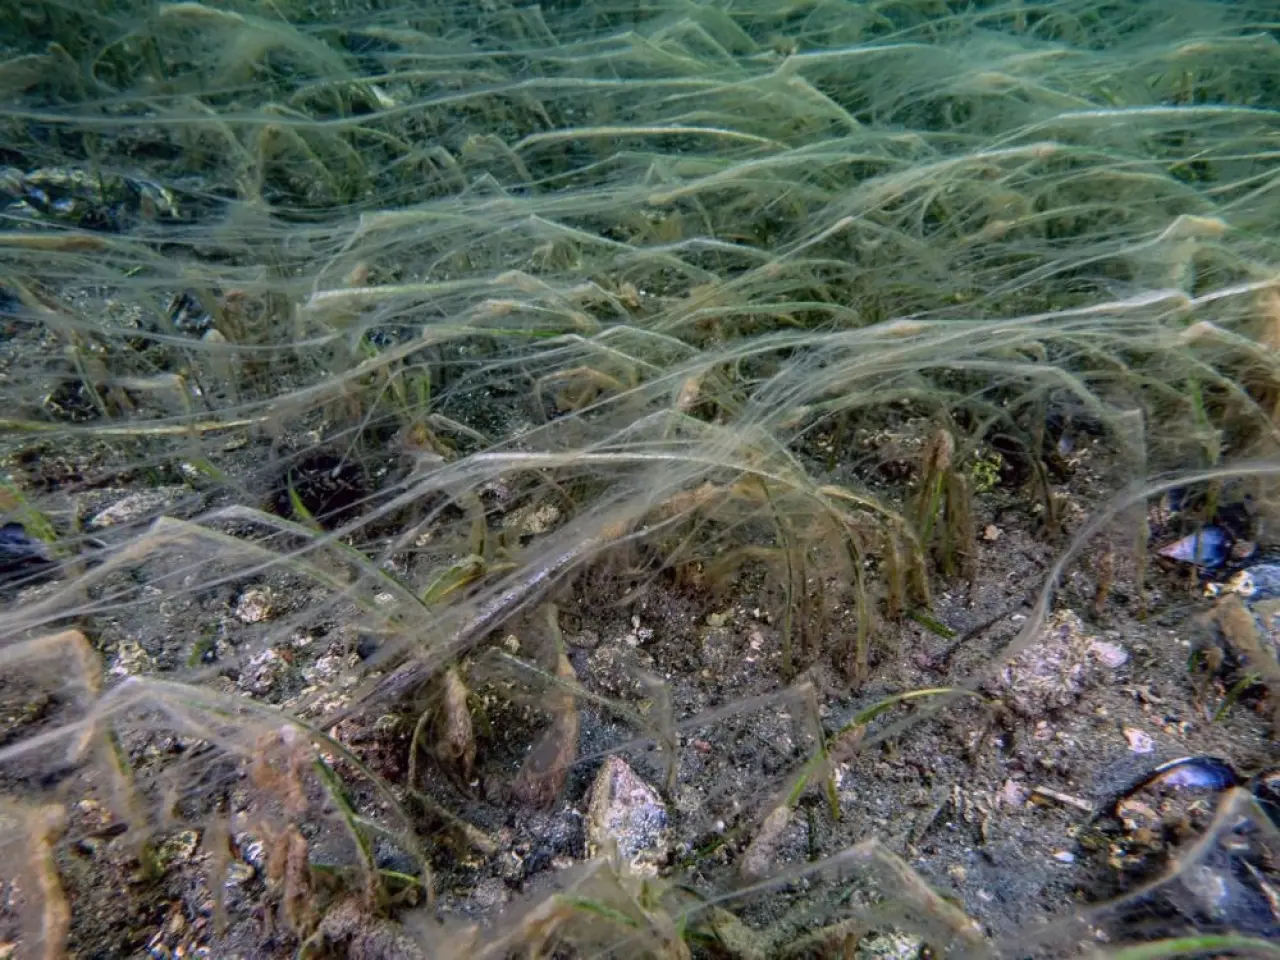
(673, 479)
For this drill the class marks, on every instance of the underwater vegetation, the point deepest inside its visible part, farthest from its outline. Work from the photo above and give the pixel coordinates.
(407, 409)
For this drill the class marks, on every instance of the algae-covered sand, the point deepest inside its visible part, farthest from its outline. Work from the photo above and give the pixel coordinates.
(644, 479)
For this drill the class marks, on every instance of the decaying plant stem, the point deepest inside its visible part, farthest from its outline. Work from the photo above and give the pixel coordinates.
(542, 777)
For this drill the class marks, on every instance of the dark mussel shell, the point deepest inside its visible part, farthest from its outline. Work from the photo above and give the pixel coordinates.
(10, 304)
(1148, 833)
(1207, 547)
(188, 315)
(1266, 789)
(88, 199)
(21, 555)
(1211, 774)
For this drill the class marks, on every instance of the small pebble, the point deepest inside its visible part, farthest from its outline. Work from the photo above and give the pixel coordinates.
(262, 671)
(1065, 856)
(586, 640)
(134, 506)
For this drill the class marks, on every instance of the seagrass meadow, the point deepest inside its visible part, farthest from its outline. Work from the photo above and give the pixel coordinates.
(670, 478)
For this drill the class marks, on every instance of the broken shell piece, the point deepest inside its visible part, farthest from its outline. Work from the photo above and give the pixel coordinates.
(627, 815)
(1065, 799)
(1012, 794)
(1109, 654)
(1139, 741)
(1205, 548)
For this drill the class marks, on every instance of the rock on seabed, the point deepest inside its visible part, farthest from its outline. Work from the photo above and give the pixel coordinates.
(1053, 672)
(625, 811)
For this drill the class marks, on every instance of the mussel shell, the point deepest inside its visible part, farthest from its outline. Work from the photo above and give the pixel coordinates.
(1266, 789)
(188, 314)
(20, 553)
(1151, 817)
(152, 200)
(10, 310)
(1199, 774)
(1207, 547)
(1148, 831)
(91, 200)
